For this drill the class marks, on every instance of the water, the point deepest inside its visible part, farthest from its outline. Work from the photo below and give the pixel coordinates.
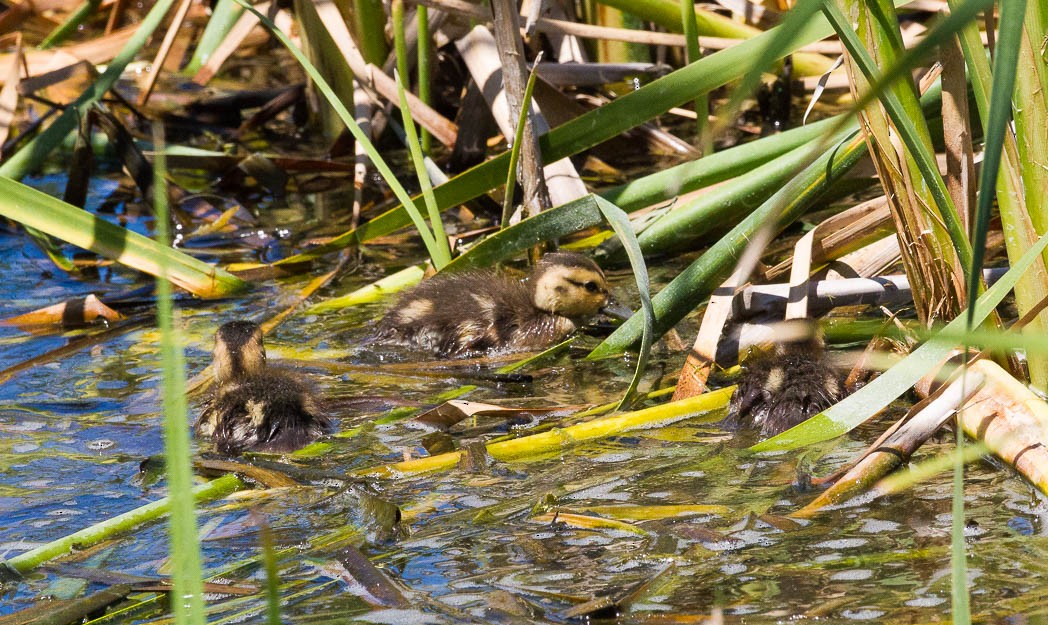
(76, 428)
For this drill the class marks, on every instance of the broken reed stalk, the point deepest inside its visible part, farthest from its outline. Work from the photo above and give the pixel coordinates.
(564, 438)
(897, 448)
(506, 29)
(518, 141)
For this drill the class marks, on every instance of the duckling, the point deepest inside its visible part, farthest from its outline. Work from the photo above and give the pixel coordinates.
(255, 407)
(481, 311)
(783, 386)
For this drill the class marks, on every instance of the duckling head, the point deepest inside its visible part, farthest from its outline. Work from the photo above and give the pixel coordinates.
(239, 351)
(570, 285)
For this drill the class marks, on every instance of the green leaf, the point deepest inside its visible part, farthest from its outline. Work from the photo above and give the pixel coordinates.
(54, 217)
(620, 223)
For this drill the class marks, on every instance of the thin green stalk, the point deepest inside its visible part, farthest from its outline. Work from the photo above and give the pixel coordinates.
(70, 25)
(109, 528)
(958, 556)
(183, 540)
(694, 53)
(269, 563)
(224, 15)
(518, 141)
(440, 254)
(425, 55)
(1004, 72)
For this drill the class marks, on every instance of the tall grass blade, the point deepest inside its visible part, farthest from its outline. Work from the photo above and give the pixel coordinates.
(184, 546)
(620, 223)
(873, 397)
(441, 252)
(1004, 71)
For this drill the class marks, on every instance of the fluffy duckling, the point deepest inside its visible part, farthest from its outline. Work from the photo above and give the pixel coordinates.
(255, 407)
(784, 385)
(481, 311)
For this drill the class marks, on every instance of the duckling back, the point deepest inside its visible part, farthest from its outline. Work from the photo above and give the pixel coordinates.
(471, 313)
(275, 412)
(783, 387)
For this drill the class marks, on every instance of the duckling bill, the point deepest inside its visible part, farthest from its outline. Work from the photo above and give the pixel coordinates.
(253, 406)
(473, 313)
(783, 386)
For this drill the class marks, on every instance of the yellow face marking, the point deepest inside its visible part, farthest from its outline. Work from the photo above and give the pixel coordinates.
(228, 363)
(573, 292)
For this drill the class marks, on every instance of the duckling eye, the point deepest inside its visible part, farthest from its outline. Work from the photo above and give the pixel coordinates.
(591, 286)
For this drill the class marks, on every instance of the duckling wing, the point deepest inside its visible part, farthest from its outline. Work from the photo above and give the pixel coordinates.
(457, 314)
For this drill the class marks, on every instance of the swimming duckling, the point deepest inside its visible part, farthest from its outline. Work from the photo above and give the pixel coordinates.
(255, 407)
(784, 385)
(481, 311)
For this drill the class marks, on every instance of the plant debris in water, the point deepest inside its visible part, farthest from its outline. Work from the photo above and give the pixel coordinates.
(518, 487)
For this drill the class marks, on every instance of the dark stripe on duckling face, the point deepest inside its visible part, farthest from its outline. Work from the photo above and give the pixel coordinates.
(239, 351)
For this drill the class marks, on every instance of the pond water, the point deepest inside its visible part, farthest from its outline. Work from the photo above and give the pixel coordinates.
(76, 427)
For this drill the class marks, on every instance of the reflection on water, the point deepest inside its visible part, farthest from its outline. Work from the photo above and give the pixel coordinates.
(76, 429)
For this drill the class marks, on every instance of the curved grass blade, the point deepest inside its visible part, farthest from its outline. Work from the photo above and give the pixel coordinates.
(620, 223)
(870, 399)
